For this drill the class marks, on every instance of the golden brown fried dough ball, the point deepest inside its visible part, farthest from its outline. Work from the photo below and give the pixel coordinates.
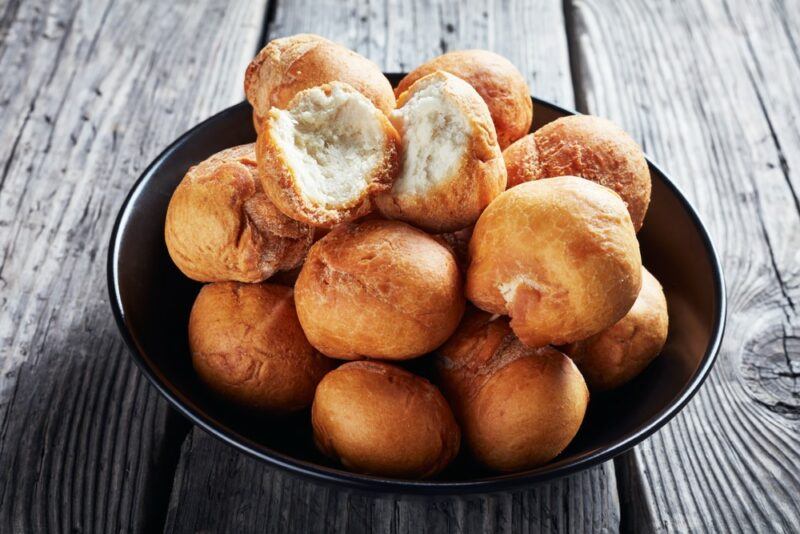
(518, 407)
(221, 226)
(600, 151)
(622, 351)
(559, 256)
(496, 79)
(452, 167)
(522, 161)
(378, 289)
(382, 420)
(289, 65)
(248, 347)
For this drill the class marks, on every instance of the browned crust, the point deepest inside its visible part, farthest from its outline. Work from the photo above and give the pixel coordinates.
(289, 65)
(496, 80)
(474, 352)
(571, 245)
(379, 289)
(247, 345)
(382, 420)
(522, 161)
(221, 226)
(457, 202)
(278, 179)
(598, 150)
(528, 412)
(518, 407)
(621, 352)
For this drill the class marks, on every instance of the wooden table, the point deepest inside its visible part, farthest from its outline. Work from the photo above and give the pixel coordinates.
(92, 90)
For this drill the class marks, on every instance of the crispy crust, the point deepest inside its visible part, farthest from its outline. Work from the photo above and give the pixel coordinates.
(518, 407)
(248, 347)
(522, 161)
(382, 420)
(496, 79)
(559, 256)
(278, 178)
(457, 202)
(380, 289)
(289, 65)
(600, 151)
(622, 351)
(221, 226)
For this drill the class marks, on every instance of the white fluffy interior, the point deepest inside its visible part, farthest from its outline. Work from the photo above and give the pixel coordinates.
(508, 290)
(332, 143)
(434, 133)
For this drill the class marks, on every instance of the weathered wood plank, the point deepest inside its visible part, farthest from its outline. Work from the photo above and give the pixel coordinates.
(710, 89)
(245, 495)
(398, 35)
(218, 490)
(90, 93)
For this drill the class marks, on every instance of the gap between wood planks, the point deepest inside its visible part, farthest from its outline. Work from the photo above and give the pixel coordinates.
(628, 479)
(183, 427)
(174, 446)
(575, 57)
(723, 120)
(85, 442)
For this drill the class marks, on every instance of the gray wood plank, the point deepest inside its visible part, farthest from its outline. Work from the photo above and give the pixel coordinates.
(90, 93)
(398, 36)
(710, 89)
(219, 489)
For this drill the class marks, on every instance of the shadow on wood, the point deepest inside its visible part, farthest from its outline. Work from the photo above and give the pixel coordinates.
(249, 496)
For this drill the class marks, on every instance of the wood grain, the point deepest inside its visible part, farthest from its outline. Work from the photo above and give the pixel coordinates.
(710, 89)
(399, 35)
(91, 91)
(246, 495)
(218, 490)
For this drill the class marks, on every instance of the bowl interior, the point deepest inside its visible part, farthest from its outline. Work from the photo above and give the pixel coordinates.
(152, 300)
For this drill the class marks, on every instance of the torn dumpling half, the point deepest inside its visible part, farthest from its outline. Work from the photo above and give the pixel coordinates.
(452, 166)
(323, 158)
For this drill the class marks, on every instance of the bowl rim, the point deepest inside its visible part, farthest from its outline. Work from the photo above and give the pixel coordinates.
(377, 484)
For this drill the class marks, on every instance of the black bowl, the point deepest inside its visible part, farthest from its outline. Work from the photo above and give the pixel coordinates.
(151, 300)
